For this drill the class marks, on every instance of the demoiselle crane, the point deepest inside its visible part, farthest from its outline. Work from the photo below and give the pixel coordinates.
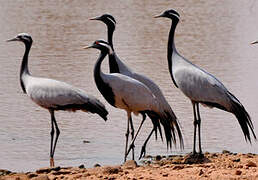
(201, 87)
(117, 66)
(124, 92)
(54, 95)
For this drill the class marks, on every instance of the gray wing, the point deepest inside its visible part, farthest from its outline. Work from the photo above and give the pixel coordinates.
(130, 93)
(201, 86)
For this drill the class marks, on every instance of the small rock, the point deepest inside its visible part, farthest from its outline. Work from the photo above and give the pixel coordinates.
(195, 159)
(214, 155)
(41, 177)
(165, 175)
(250, 155)
(47, 170)
(85, 141)
(86, 174)
(61, 172)
(158, 158)
(251, 164)
(238, 172)
(178, 167)
(99, 176)
(112, 170)
(81, 166)
(97, 165)
(177, 160)
(236, 160)
(201, 172)
(4, 172)
(130, 164)
(206, 153)
(226, 152)
(240, 166)
(31, 175)
(79, 176)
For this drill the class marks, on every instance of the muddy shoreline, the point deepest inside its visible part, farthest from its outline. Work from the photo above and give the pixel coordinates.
(225, 165)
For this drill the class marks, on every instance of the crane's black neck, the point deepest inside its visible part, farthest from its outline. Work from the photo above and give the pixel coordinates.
(113, 65)
(171, 48)
(110, 33)
(24, 66)
(103, 87)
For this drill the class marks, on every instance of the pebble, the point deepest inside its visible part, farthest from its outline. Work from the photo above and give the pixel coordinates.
(178, 167)
(165, 175)
(82, 166)
(236, 160)
(4, 172)
(32, 175)
(61, 172)
(112, 170)
(158, 158)
(226, 152)
(40, 177)
(238, 172)
(201, 172)
(47, 169)
(251, 164)
(97, 165)
(130, 164)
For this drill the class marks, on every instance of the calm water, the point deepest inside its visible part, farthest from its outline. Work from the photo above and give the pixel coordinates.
(215, 35)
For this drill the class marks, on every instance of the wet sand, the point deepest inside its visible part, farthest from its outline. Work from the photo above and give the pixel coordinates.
(225, 165)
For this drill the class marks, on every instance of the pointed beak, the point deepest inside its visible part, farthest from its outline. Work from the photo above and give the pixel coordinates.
(87, 47)
(95, 18)
(14, 39)
(255, 42)
(158, 16)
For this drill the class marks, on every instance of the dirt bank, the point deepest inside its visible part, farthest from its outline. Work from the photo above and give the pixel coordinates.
(224, 165)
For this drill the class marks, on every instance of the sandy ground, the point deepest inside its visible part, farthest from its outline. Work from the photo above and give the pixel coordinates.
(225, 165)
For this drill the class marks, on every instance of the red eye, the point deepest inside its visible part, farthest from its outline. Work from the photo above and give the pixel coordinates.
(97, 42)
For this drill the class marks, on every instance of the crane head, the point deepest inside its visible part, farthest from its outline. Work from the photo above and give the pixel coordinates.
(171, 14)
(23, 37)
(101, 45)
(108, 19)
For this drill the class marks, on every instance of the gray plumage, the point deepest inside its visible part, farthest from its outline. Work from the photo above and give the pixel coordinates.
(54, 95)
(117, 66)
(127, 93)
(57, 95)
(202, 87)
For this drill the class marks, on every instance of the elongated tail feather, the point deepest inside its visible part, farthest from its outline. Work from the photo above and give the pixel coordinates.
(156, 124)
(175, 127)
(243, 118)
(96, 107)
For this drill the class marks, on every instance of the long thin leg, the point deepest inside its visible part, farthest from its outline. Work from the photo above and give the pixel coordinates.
(52, 132)
(132, 143)
(132, 134)
(195, 124)
(143, 151)
(53, 122)
(156, 124)
(57, 135)
(127, 134)
(199, 128)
